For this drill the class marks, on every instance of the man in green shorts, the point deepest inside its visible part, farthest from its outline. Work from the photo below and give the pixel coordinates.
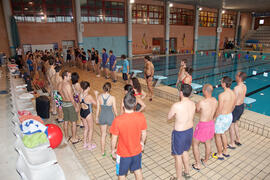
(70, 109)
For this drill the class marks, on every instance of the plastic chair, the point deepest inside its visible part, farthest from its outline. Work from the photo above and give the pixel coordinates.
(42, 155)
(30, 172)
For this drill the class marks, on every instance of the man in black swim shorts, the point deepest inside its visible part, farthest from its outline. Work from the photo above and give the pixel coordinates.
(240, 92)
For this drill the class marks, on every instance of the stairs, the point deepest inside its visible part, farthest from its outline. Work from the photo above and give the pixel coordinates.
(259, 36)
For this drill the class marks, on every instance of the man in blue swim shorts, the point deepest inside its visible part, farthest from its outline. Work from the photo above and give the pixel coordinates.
(105, 63)
(226, 104)
(183, 112)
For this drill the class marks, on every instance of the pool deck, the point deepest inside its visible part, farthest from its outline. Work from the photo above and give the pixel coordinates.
(250, 161)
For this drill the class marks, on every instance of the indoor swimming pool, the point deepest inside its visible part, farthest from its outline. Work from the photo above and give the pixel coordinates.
(209, 70)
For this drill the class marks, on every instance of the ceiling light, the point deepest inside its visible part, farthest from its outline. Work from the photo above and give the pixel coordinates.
(42, 17)
(30, 3)
(132, 1)
(223, 11)
(200, 9)
(26, 8)
(171, 5)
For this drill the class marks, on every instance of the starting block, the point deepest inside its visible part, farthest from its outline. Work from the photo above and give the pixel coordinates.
(248, 101)
(135, 72)
(158, 80)
(117, 68)
(196, 86)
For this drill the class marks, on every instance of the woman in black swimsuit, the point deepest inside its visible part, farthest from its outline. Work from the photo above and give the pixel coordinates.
(86, 113)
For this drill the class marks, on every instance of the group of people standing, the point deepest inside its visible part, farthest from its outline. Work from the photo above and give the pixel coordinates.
(93, 61)
(71, 99)
(216, 118)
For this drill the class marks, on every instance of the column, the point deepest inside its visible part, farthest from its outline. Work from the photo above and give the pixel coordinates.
(8, 14)
(253, 22)
(237, 28)
(167, 28)
(129, 28)
(219, 30)
(79, 24)
(196, 27)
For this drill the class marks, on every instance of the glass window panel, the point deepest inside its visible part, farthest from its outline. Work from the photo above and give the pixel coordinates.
(84, 11)
(99, 4)
(50, 11)
(49, 2)
(17, 9)
(114, 12)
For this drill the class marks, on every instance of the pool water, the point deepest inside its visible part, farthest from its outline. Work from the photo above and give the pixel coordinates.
(208, 69)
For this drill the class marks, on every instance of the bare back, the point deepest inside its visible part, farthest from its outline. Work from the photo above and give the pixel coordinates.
(66, 91)
(226, 101)
(207, 109)
(184, 112)
(240, 92)
(58, 80)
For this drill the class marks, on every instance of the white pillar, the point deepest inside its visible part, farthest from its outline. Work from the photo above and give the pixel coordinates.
(79, 25)
(237, 27)
(253, 22)
(167, 28)
(129, 27)
(196, 27)
(218, 32)
(8, 14)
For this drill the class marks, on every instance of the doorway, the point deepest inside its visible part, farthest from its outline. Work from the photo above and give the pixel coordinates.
(173, 45)
(65, 46)
(158, 46)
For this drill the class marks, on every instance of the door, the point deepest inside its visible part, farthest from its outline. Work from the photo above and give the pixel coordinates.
(173, 45)
(157, 44)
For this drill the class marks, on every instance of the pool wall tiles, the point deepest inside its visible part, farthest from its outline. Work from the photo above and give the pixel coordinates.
(116, 43)
(206, 42)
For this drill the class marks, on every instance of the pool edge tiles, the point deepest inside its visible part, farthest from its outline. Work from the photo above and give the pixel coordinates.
(250, 120)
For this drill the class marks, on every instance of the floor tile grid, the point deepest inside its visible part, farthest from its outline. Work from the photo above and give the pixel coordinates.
(155, 127)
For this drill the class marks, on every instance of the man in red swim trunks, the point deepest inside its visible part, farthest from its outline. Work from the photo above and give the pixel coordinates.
(205, 129)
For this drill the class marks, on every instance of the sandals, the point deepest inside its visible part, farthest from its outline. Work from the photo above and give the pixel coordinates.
(238, 143)
(226, 155)
(91, 146)
(214, 155)
(203, 163)
(231, 147)
(193, 167)
(74, 142)
(186, 175)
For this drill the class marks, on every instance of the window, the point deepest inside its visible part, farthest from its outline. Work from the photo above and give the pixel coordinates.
(42, 10)
(179, 16)
(147, 14)
(208, 19)
(228, 20)
(100, 11)
(261, 21)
